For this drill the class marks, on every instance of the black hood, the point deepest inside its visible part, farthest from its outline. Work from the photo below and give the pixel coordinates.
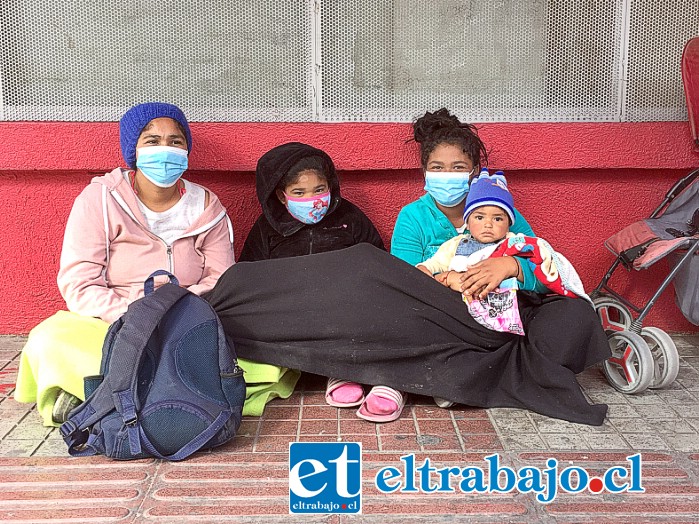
(272, 168)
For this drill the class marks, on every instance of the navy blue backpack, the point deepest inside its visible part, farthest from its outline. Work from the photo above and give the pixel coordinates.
(169, 383)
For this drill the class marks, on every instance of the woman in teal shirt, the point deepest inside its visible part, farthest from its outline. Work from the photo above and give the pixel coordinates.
(451, 154)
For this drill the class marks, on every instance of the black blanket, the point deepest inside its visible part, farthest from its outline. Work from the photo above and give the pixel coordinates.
(364, 315)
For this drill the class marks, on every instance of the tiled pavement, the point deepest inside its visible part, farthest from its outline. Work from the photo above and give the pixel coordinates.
(247, 479)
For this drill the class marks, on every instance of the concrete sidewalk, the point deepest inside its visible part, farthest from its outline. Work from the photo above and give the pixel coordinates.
(247, 479)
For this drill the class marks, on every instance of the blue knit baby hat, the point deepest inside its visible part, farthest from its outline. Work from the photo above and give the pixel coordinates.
(490, 190)
(135, 119)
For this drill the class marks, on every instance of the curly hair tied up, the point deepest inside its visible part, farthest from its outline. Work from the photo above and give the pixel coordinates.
(441, 127)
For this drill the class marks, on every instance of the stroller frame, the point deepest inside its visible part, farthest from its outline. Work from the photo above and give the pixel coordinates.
(642, 357)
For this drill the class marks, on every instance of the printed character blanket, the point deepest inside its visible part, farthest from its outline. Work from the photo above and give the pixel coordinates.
(499, 310)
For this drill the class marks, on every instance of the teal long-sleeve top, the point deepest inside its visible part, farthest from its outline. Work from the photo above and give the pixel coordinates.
(421, 228)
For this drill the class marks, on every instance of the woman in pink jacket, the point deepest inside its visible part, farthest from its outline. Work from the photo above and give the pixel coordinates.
(123, 226)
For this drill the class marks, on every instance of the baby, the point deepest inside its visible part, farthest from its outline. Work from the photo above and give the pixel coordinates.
(488, 214)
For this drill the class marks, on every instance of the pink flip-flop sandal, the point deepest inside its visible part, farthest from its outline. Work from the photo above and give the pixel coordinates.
(336, 383)
(387, 393)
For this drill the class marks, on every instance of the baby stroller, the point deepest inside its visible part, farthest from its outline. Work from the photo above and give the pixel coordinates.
(646, 357)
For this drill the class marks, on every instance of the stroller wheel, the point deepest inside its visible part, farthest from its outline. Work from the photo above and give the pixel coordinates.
(614, 315)
(630, 368)
(666, 360)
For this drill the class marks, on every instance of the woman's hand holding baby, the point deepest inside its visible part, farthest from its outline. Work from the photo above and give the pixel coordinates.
(480, 279)
(483, 277)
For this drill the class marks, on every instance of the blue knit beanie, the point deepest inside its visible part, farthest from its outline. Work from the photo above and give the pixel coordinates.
(135, 119)
(490, 190)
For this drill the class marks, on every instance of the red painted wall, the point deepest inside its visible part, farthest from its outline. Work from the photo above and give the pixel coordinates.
(575, 183)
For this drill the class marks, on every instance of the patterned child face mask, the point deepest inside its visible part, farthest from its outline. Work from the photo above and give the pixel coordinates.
(447, 188)
(162, 165)
(309, 210)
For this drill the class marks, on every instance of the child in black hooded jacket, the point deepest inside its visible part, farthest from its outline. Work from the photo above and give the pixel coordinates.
(302, 214)
(277, 233)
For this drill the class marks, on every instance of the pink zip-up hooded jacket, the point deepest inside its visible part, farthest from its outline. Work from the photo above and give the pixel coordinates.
(108, 251)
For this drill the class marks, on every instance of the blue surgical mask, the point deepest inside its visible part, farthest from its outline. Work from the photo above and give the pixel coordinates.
(310, 210)
(162, 165)
(447, 188)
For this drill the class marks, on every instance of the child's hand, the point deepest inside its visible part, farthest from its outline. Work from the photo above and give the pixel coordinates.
(442, 278)
(424, 270)
(450, 279)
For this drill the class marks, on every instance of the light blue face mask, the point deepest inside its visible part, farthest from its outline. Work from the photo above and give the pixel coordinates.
(310, 210)
(447, 188)
(162, 165)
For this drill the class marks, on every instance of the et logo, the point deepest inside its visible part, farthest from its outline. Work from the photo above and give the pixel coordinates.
(325, 477)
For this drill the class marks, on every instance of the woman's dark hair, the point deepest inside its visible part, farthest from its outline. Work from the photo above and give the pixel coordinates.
(316, 163)
(441, 127)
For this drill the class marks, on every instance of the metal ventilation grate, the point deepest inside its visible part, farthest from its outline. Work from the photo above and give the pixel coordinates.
(349, 60)
(658, 31)
(493, 61)
(219, 60)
